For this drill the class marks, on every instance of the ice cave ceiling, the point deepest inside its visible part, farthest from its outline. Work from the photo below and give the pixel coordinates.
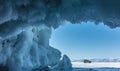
(20, 14)
(24, 22)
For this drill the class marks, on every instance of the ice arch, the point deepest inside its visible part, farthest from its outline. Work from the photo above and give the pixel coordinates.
(25, 27)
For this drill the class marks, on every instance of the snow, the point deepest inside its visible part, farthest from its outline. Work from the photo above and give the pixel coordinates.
(96, 65)
(96, 69)
(100, 60)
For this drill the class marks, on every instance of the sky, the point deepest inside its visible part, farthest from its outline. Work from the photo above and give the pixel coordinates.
(87, 40)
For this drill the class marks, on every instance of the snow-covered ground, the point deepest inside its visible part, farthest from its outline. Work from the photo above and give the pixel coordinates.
(100, 60)
(96, 65)
(96, 69)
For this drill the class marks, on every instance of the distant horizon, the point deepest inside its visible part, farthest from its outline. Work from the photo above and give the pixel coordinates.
(87, 40)
(97, 58)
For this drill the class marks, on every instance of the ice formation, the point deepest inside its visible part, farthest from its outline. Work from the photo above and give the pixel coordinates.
(63, 65)
(25, 28)
(28, 50)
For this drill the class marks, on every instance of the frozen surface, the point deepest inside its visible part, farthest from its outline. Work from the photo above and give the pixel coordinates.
(96, 69)
(96, 64)
(17, 15)
(100, 60)
(63, 65)
(28, 50)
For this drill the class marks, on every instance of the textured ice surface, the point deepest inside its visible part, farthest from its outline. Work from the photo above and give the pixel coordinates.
(63, 65)
(17, 15)
(25, 27)
(28, 50)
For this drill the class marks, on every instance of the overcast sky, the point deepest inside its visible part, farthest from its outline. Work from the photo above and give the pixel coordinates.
(87, 40)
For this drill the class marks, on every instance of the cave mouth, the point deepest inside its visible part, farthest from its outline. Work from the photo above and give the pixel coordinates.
(86, 40)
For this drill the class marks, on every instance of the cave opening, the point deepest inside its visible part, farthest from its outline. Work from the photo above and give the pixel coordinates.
(86, 41)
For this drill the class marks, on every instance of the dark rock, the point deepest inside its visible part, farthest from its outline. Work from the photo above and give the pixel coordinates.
(87, 61)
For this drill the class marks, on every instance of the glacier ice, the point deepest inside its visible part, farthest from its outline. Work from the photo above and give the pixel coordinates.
(63, 65)
(28, 50)
(18, 15)
(25, 28)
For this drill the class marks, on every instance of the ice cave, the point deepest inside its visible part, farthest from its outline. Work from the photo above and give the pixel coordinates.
(26, 27)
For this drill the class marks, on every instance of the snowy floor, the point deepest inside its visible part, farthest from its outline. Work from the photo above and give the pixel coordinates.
(97, 66)
(96, 69)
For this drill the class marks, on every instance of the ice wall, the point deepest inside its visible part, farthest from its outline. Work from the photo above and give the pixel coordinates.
(25, 27)
(28, 50)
